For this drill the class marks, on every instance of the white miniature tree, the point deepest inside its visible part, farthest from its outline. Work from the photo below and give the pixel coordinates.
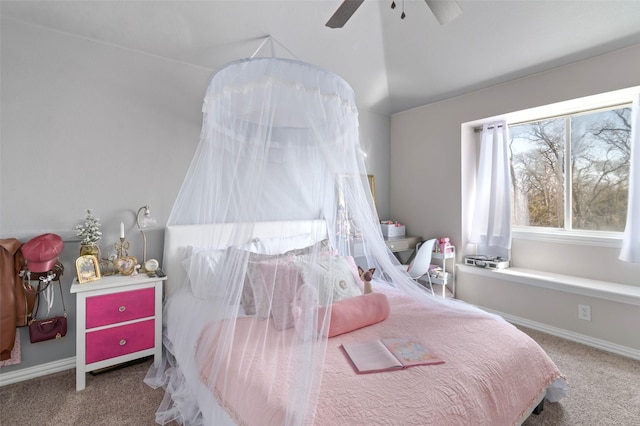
(89, 232)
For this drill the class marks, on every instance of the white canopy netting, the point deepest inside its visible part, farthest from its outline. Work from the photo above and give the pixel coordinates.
(279, 142)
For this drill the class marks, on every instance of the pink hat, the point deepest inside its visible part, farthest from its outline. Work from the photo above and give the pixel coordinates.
(41, 252)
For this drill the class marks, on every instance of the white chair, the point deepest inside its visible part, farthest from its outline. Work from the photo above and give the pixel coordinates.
(420, 264)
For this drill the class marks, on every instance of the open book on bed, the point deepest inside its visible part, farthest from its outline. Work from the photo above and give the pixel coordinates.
(388, 354)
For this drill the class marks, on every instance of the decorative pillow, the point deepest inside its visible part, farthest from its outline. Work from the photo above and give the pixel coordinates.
(200, 265)
(330, 275)
(248, 299)
(261, 291)
(355, 313)
(304, 310)
(273, 285)
(253, 246)
(354, 270)
(279, 245)
(320, 247)
(278, 282)
(248, 293)
(292, 245)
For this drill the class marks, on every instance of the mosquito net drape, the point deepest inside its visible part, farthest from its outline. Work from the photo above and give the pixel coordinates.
(279, 142)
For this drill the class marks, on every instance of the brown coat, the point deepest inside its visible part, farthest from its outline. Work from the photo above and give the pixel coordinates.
(15, 304)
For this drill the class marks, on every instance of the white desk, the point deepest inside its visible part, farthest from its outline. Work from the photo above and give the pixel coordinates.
(400, 244)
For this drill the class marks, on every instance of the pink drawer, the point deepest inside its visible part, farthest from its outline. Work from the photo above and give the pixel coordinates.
(117, 341)
(119, 307)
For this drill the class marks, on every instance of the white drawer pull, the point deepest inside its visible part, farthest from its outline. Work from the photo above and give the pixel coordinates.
(123, 342)
(391, 246)
(122, 308)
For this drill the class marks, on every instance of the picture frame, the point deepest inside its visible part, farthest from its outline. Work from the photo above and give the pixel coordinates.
(372, 186)
(347, 183)
(126, 265)
(87, 268)
(345, 180)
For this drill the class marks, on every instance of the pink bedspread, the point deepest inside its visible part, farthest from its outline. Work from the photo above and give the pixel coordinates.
(493, 375)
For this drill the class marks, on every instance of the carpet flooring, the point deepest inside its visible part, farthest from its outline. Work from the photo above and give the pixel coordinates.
(604, 389)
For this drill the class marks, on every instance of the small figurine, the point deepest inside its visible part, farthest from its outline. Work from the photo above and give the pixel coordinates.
(366, 277)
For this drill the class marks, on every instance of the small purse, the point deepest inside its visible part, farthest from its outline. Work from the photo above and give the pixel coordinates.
(48, 328)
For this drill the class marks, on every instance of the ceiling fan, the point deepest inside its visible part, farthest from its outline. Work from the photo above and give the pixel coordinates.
(444, 11)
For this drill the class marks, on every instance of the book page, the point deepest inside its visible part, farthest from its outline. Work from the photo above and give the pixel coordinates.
(410, 351)
(370, 356)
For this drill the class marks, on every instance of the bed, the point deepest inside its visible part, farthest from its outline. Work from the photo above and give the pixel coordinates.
(493, 374)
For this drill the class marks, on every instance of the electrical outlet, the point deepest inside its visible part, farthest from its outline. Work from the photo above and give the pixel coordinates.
(584, 312)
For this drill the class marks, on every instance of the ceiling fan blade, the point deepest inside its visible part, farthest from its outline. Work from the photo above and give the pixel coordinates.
(344, 12)
(445, 11)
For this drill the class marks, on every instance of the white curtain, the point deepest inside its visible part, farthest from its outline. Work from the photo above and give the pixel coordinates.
(631, 242)
(491, 226)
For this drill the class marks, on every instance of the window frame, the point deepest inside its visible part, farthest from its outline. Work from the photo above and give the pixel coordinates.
(569, 235)
(573, 237)
(471, 130)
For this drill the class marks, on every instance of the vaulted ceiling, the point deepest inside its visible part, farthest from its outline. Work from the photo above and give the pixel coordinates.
(393, 64)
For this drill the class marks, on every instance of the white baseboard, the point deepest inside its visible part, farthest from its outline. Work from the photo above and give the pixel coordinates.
(570, 335)
(37, 371)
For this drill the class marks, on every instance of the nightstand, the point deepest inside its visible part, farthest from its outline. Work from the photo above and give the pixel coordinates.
(118, 319)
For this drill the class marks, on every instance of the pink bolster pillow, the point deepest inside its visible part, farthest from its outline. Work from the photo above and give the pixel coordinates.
(356, 312)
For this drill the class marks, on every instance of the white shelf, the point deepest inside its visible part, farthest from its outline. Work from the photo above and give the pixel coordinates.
(442, 281)
(448, 255)
(449, 277)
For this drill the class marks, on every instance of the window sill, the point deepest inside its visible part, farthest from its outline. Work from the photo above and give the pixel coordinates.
(615, 292)
(585, 238)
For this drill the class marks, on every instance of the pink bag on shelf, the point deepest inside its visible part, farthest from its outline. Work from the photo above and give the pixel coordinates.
(445, 246)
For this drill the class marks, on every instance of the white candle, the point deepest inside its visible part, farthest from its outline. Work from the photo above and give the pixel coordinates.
(121, 229)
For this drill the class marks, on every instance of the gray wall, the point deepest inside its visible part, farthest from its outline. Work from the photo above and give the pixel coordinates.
(91, 125)
(428, 146)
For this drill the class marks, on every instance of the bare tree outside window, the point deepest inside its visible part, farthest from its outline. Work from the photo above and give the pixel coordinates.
(589, 192)
(537, 162)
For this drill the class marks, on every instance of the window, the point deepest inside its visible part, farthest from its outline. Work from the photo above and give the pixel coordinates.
(571, 172)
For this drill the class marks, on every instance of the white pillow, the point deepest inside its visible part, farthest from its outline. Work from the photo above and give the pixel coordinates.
(200, 265)
(280, 245)
(253, 246)
(331, 275)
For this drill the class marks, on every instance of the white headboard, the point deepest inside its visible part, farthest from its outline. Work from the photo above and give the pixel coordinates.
(178, 237)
